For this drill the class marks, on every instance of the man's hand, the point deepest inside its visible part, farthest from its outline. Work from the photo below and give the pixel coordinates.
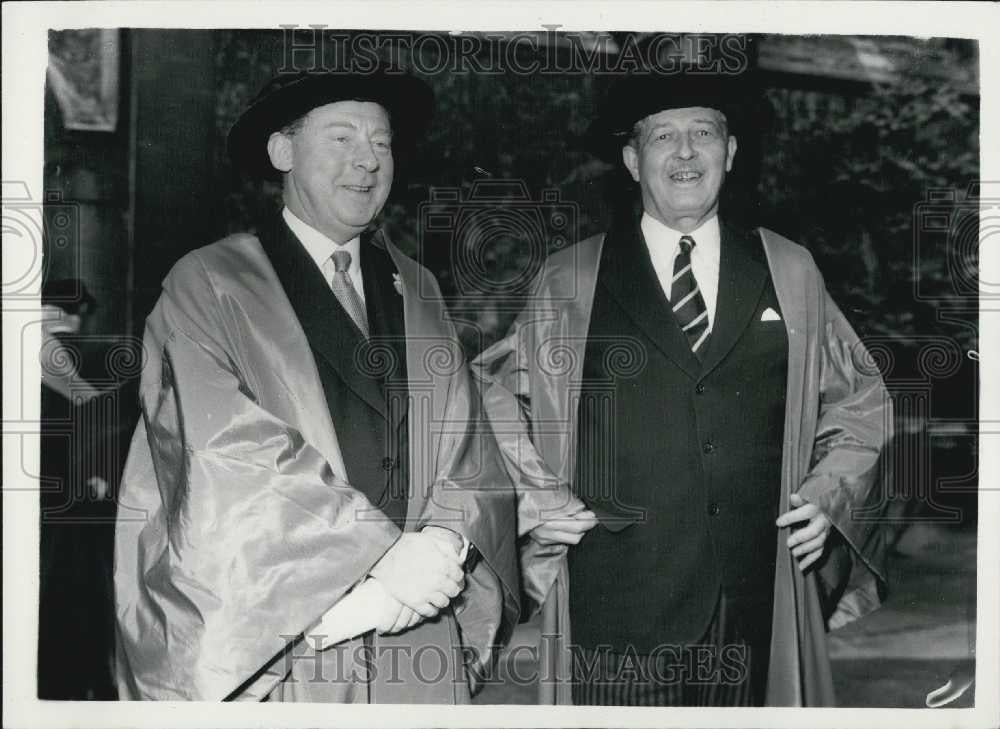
(369, 606)
(422, 572)
(405, 619)
(566, 528)
(393, 616)
(98, 487)
(446, 536)
(806, 542)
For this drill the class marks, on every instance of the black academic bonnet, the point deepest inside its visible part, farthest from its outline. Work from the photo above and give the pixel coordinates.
(637, 96)
(408, 100)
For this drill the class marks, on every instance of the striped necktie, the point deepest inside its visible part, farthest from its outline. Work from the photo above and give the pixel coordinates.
(343, 289)
(686, 299)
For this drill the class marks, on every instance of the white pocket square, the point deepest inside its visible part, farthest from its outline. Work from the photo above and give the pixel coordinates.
(770, 315)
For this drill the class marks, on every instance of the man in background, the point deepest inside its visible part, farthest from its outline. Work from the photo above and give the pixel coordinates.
(75, 624)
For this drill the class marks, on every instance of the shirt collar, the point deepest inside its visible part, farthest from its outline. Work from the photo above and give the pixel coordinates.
(663, 238)
(319, 247)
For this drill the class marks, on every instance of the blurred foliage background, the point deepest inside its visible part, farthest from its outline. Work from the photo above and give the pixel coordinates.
(851, 163)
(838, 167)
(865, 150)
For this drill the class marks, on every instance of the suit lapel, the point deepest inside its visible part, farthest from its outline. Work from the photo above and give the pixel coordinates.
(383, 302)
(384, 306)
(742, 275)
(328, 328)
(627, 274)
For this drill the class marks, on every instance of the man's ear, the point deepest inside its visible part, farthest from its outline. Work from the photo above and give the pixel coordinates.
(631, 159)
(730, 153)
(279, 149)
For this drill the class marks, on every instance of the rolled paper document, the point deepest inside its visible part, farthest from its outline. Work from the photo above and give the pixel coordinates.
(358, 611)
(355, 614)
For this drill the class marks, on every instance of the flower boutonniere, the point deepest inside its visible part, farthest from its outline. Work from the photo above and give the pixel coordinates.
(397, 283)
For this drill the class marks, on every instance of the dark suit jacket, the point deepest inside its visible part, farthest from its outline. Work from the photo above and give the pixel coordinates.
(680, 456)
(364, 381)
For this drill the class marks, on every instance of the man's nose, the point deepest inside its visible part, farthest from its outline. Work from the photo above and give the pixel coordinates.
(685, 150)
(365, 157)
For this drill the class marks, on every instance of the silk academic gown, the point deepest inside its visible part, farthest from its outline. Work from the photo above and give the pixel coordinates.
(237, 528)
(837, 421)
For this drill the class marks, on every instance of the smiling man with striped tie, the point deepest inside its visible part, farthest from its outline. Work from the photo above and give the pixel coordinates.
(717, 433)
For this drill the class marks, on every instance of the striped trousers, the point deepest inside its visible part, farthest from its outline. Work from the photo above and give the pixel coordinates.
(715, 671)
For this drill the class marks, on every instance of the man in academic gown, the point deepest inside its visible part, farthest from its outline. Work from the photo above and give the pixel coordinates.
(695, 433)
(74, 605)
(311, 509)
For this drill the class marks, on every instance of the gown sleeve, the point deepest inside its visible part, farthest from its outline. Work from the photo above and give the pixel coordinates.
(844, 480)
(234, 535)
(503, 371)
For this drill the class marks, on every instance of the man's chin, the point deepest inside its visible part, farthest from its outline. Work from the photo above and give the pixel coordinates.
(359, 217)
(360, 212)
(689, 208)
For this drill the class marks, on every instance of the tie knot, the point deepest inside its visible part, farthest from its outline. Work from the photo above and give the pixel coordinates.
(341, 261)
(687, 243)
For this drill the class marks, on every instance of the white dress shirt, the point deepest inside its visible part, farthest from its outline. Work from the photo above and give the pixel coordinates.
(320, 248)
(664, 245)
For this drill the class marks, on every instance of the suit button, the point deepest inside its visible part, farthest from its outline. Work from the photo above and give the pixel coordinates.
(388, 463)
(713, 509)
(708, 447)
(700, 388)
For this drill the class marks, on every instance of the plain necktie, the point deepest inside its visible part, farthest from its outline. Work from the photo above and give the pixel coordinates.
(343, 289)
(686, 299)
